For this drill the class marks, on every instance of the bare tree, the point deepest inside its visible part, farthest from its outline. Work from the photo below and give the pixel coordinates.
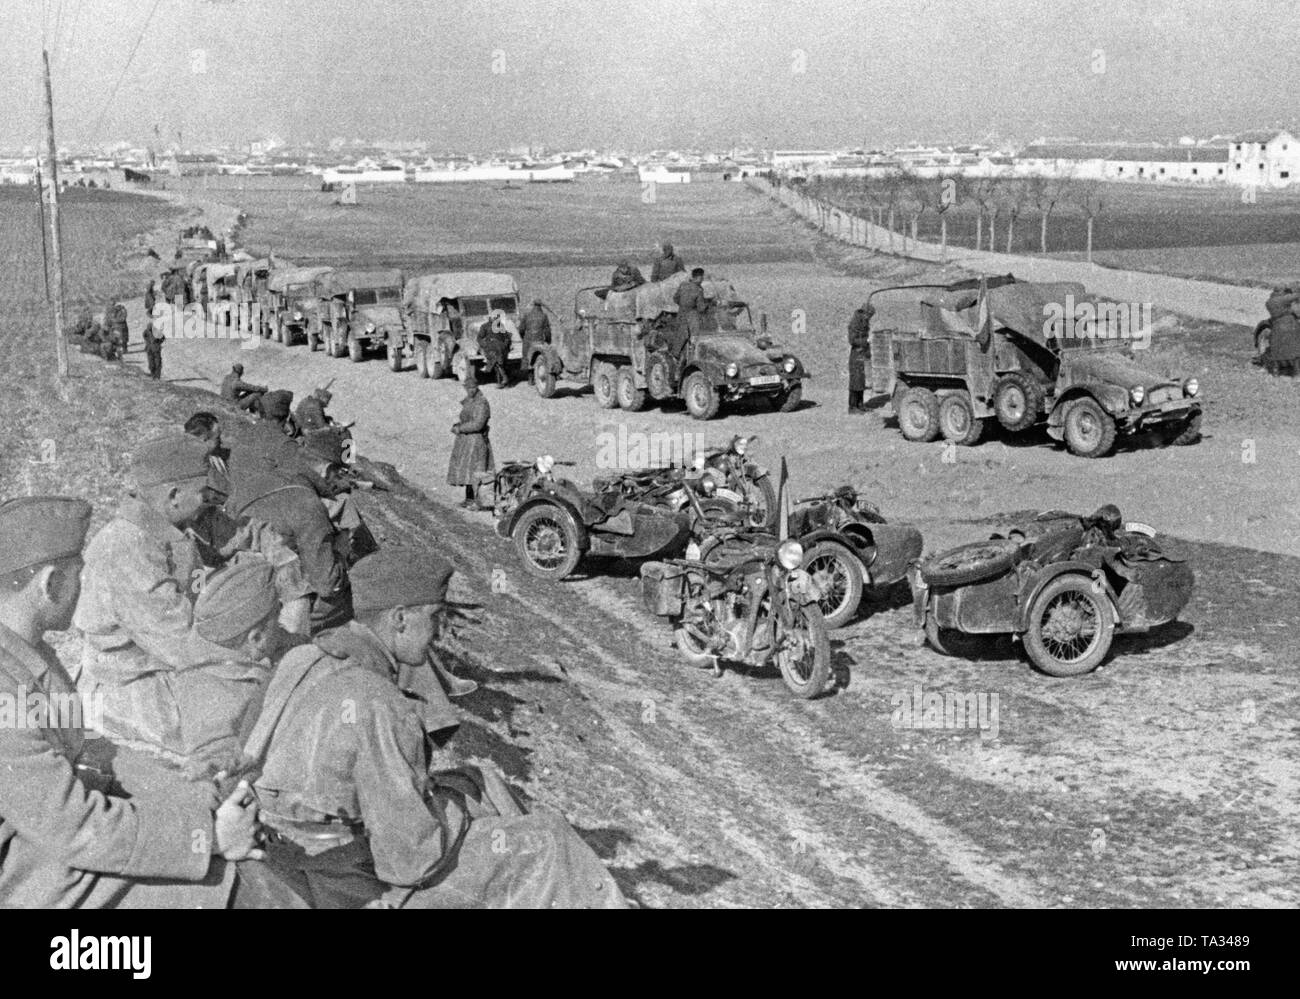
(891, 188)
(1087, 197)
(1015, 194)
(984, 193)
(913, 200)
(945, 197)
(1046, 193)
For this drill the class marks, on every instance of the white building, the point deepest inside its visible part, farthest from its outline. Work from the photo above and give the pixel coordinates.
(785, 159)
(1264, 159)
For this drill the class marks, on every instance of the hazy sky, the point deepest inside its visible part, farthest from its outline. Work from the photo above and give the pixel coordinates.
(487, 74)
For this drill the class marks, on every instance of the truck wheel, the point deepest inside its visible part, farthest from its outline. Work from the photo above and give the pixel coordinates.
(1017, 401)
(1263, 337)
(630, 397)
(701, 397)
(422, 359)
(546, 539)
(918, 414)
(838, 575)
(970, 563)
(602, 383)
(312, 341)
(658, 379)
(1070, 627)
(394, 358)
(438, 365)
(543, 380)
(788, 401)
(1089, 429)
(355, 350)
(336, 347)
(283, 335)
(957, 420)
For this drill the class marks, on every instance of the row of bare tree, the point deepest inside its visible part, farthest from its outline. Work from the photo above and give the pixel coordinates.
(901, 194)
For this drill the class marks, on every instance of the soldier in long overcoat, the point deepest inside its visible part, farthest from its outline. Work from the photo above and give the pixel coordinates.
(472, 452)
(1284, 344)
(859, 355)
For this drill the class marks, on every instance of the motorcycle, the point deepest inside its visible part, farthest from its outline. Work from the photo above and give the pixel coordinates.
(743, 482)
(754, 609)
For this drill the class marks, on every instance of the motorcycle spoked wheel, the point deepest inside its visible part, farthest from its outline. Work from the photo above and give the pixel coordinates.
(803, 652)
(692, 640)
(761, 499)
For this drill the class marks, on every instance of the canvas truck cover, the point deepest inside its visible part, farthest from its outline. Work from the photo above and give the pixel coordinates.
(656, 298)
(1023, 308)
(424, 292)
(339, 282)
(243, 268)
(283, 277)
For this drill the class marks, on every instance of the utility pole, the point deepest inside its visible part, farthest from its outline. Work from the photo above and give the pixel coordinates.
(52, 159)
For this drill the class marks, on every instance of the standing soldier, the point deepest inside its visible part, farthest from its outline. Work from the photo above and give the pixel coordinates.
(150, 298)
(494, 338)
(115, 320)
(64, 841)
(354, 817)
(536, 330)
(691, 305)
(153, 345)
(472, 452)
(666, 264)
(859, 355)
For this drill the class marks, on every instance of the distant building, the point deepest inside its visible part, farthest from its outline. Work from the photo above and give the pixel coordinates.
(664, 174)
(1264, 159)
(785, 159)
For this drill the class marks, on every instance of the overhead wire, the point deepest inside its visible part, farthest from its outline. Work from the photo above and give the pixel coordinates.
(125, 66)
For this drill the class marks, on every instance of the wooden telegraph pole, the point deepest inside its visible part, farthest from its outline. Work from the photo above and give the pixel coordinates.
(52, 185)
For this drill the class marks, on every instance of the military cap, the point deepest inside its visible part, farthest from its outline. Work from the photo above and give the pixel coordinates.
(173, 458)
(276, 404)
(325, 445)
(39, 529)
(235, 599)
(237, 369)
(397, 577)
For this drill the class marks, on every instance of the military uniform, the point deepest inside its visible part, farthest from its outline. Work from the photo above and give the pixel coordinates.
(536, 329)
(355, 817)
(472, 452)
(666, 264)
(235, 389)
(859, 354)
(153, 345)
(691, 305)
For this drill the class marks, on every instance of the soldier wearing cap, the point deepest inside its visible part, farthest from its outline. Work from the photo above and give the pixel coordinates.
(354, 817)
(235, 389)
(310, 414)
(142, 572)
(63, 842)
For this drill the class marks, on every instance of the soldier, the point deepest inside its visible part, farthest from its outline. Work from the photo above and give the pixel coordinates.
(63, 842)
(115, 323)
(174, 288)
(153, 345)
(625, 277)
(536, 329)
(310, 414)
(235, 389)
(142, 571)
(859, 355)
(472, 452)
(275, 419)
(494, 344)
(353, 816)
(666, 264)
(150, 297)
(691, 305)
(207, 428)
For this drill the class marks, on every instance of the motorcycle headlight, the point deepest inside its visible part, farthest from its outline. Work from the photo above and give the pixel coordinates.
(297, 317)
(739, 445)
(370, 327)
(545, 463)
(1191, 386)
(733, 370)
(790, 554)
(789, 365)
(709, 482)
(693, 552)
(1137, 393)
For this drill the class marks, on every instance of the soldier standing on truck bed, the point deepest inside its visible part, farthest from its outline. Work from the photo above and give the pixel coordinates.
(691, 305)
(666, 264)
(859, 355)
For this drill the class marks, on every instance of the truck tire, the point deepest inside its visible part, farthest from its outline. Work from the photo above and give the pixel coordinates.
(701, 397)
(918, 414)
(1071, 626)
(356, 351)
(658, 378)
(284, 336)
(394, 358)
(543, 379)
(312, 341)
(1089, 429)
(630, 397)
(1017, 401)
(438, 365)
(957, 420)
(602, 385)
(972, 563)
(788, 401)
(422, 359)
(1263, 337)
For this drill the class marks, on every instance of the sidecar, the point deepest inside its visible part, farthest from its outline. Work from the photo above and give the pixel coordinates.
(555, 523)
(1065, 584)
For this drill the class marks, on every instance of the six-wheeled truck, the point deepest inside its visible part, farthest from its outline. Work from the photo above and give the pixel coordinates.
(291, 304)
(360, 311)
(444, 313)
(954, 357)
(616, 344)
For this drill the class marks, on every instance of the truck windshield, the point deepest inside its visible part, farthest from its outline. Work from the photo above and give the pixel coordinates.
(376, 296)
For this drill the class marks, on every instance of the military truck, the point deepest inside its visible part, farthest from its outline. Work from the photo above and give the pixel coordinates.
(616, 345)
(444, 312)
(291, 304)
(362, 310)
(955, 357)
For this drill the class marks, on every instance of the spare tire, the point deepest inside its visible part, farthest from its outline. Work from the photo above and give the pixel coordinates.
(1017, 401)
(970, 563)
